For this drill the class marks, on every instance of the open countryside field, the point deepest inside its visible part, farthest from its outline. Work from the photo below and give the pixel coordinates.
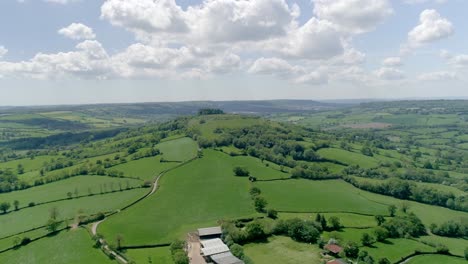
(71, 247)
(436, 259)
(79, 185)
(348, 157)
(318, 196)
(181, 149)
(282, 250)
(159, 255)
(195, 195)
(395, 249)
(32, 217)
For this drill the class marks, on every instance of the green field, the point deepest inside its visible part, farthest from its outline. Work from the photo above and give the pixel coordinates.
(195, 195)
(282, 250)
(74, 246)
(318, 196)
(346, 219)
(159, 255)
(25, 219)
(145, 169)
(436, 259)
(58, 190)
(395, 249)
(348, 157)
(457, 246)
(181, 149)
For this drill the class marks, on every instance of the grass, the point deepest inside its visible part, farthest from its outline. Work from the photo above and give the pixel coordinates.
(348, 157)
(318, 196)
(58, 190)
(347, 234)
(145, 169)
(160, 255)
(456, 245)
(282, 250)
(197, 194)
(74, 246)
(181, 149)
(436, 259)
(9, 242)
(428, 213)
(395, 249)
(347, 220)
(28, 164)
(25, 219)
(259, 169)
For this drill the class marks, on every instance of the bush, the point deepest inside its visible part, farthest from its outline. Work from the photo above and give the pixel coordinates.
(239, 171)
(272, 213)
(25, 241)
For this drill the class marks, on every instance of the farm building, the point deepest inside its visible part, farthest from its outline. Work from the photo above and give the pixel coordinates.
(333, 249)
(210, 232)
(216, 251)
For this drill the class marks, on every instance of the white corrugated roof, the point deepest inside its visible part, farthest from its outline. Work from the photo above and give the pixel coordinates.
(226, 258)
(212, 242)
(208, 251)
(216, 230)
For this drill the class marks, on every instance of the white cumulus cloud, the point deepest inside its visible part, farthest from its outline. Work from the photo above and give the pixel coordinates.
(432, 26)
(77, 31)
(356, 16)
(388, 73)
(392, 62)
(437, 76)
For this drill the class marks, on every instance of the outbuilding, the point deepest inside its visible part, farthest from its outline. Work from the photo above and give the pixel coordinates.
(210, 232)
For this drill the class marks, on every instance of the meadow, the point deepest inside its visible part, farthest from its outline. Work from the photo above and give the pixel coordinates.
(282, 250)
(195, 195)
(159, 255)
(318, 196)
(71, 247)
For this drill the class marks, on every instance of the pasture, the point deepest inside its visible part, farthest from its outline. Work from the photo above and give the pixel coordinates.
(348, 157)
(71, 247)
(395, 249)
(197, 194)
(181, 149)
(436, 259)
(282, 250)
(36, 216)
(318, 196)
(159, 255)
(78, 185)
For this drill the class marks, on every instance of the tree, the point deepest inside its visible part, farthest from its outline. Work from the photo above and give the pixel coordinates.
(466, 253)
(53, 213)
(380, 219)
(5, 206)
(119, 239)
(254, 191)
(404, 206)
(351, 250)
(384, 261)
(69, 195)
(20, 169)
(392, 210)
(366, 239)
(180, 257)
(255, 231)
(52, 225)
(334, 223)
(239, 171)
(16, 204)
(272, 213)
(380, 233)
(260, 204)
(237, 251)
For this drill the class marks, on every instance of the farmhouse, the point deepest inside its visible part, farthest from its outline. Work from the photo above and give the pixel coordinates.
(337, 261)
(333, 249)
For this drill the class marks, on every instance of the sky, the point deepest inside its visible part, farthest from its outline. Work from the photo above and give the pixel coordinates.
(91, 51)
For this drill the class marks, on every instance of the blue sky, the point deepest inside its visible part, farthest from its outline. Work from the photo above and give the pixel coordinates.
(80, 51)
